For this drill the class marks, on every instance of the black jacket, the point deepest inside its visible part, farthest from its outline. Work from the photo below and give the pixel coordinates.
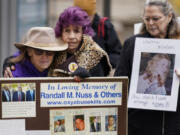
(145, 122)
(110, 42)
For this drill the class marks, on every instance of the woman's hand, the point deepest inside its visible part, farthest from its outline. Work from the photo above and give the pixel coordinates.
(80, 74)
(8, 67)
(7, 71)
(77, 78)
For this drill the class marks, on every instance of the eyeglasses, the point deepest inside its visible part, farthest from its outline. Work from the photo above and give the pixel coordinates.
(155, 19)
(41, 52)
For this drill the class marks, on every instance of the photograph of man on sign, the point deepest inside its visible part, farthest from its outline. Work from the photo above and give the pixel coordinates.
(79, 124)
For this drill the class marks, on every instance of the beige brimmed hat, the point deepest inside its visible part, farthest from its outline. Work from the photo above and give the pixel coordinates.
(42, 38)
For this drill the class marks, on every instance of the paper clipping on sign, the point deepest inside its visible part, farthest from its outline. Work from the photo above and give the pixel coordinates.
(154, 84)
(11, 127)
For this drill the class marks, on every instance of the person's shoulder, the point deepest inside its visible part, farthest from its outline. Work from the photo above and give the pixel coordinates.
(106, 21)
(132, 38)
(90, 45)
(178, 37)
(22, 92)
(15, 92)
(108, 24)
(129, 42)
(93, 48)
(19, 70)
(106, 127)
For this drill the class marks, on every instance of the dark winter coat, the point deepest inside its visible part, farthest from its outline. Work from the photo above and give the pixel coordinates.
(146, 122)
(110, 42)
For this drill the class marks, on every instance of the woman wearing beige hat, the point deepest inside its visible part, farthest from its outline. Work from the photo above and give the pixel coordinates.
(83, 56)
(37, 53)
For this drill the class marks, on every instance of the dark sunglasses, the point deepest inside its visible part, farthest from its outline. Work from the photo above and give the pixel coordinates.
(41, 52)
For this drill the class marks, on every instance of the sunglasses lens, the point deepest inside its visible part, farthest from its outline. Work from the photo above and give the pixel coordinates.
(40, 52)
(49, 53)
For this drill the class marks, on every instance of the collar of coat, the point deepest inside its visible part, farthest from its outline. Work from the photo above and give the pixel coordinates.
(88, 55)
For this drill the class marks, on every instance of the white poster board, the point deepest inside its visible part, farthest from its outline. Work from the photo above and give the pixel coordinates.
(12, 126)
(154, 84)
(137, 28)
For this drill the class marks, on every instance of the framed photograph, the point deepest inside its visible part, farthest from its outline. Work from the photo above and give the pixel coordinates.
(59, 123)
(18, 100)
(95, 123)
(154, 84)
(111, 123)
(78, 123)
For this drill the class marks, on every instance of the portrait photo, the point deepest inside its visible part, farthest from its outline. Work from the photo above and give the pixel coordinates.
(15, 100)
(111, 122)
(95, 123)
(6, 93)
(156, 73)
(18, 92)
(59, 124)
(31, 92)
(78, 123)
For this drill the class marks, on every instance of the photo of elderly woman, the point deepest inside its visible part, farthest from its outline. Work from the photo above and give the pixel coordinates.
(156, 73)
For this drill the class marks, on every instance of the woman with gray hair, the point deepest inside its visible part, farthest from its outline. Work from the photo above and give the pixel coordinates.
(159, 21)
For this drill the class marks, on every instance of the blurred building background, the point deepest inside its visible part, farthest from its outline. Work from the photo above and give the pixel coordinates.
(17, 16)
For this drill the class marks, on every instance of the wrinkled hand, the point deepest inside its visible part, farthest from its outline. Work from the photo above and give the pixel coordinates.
(80, 74)
(8, 67)
(77, 78)
(177, 73)
(8, 73)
